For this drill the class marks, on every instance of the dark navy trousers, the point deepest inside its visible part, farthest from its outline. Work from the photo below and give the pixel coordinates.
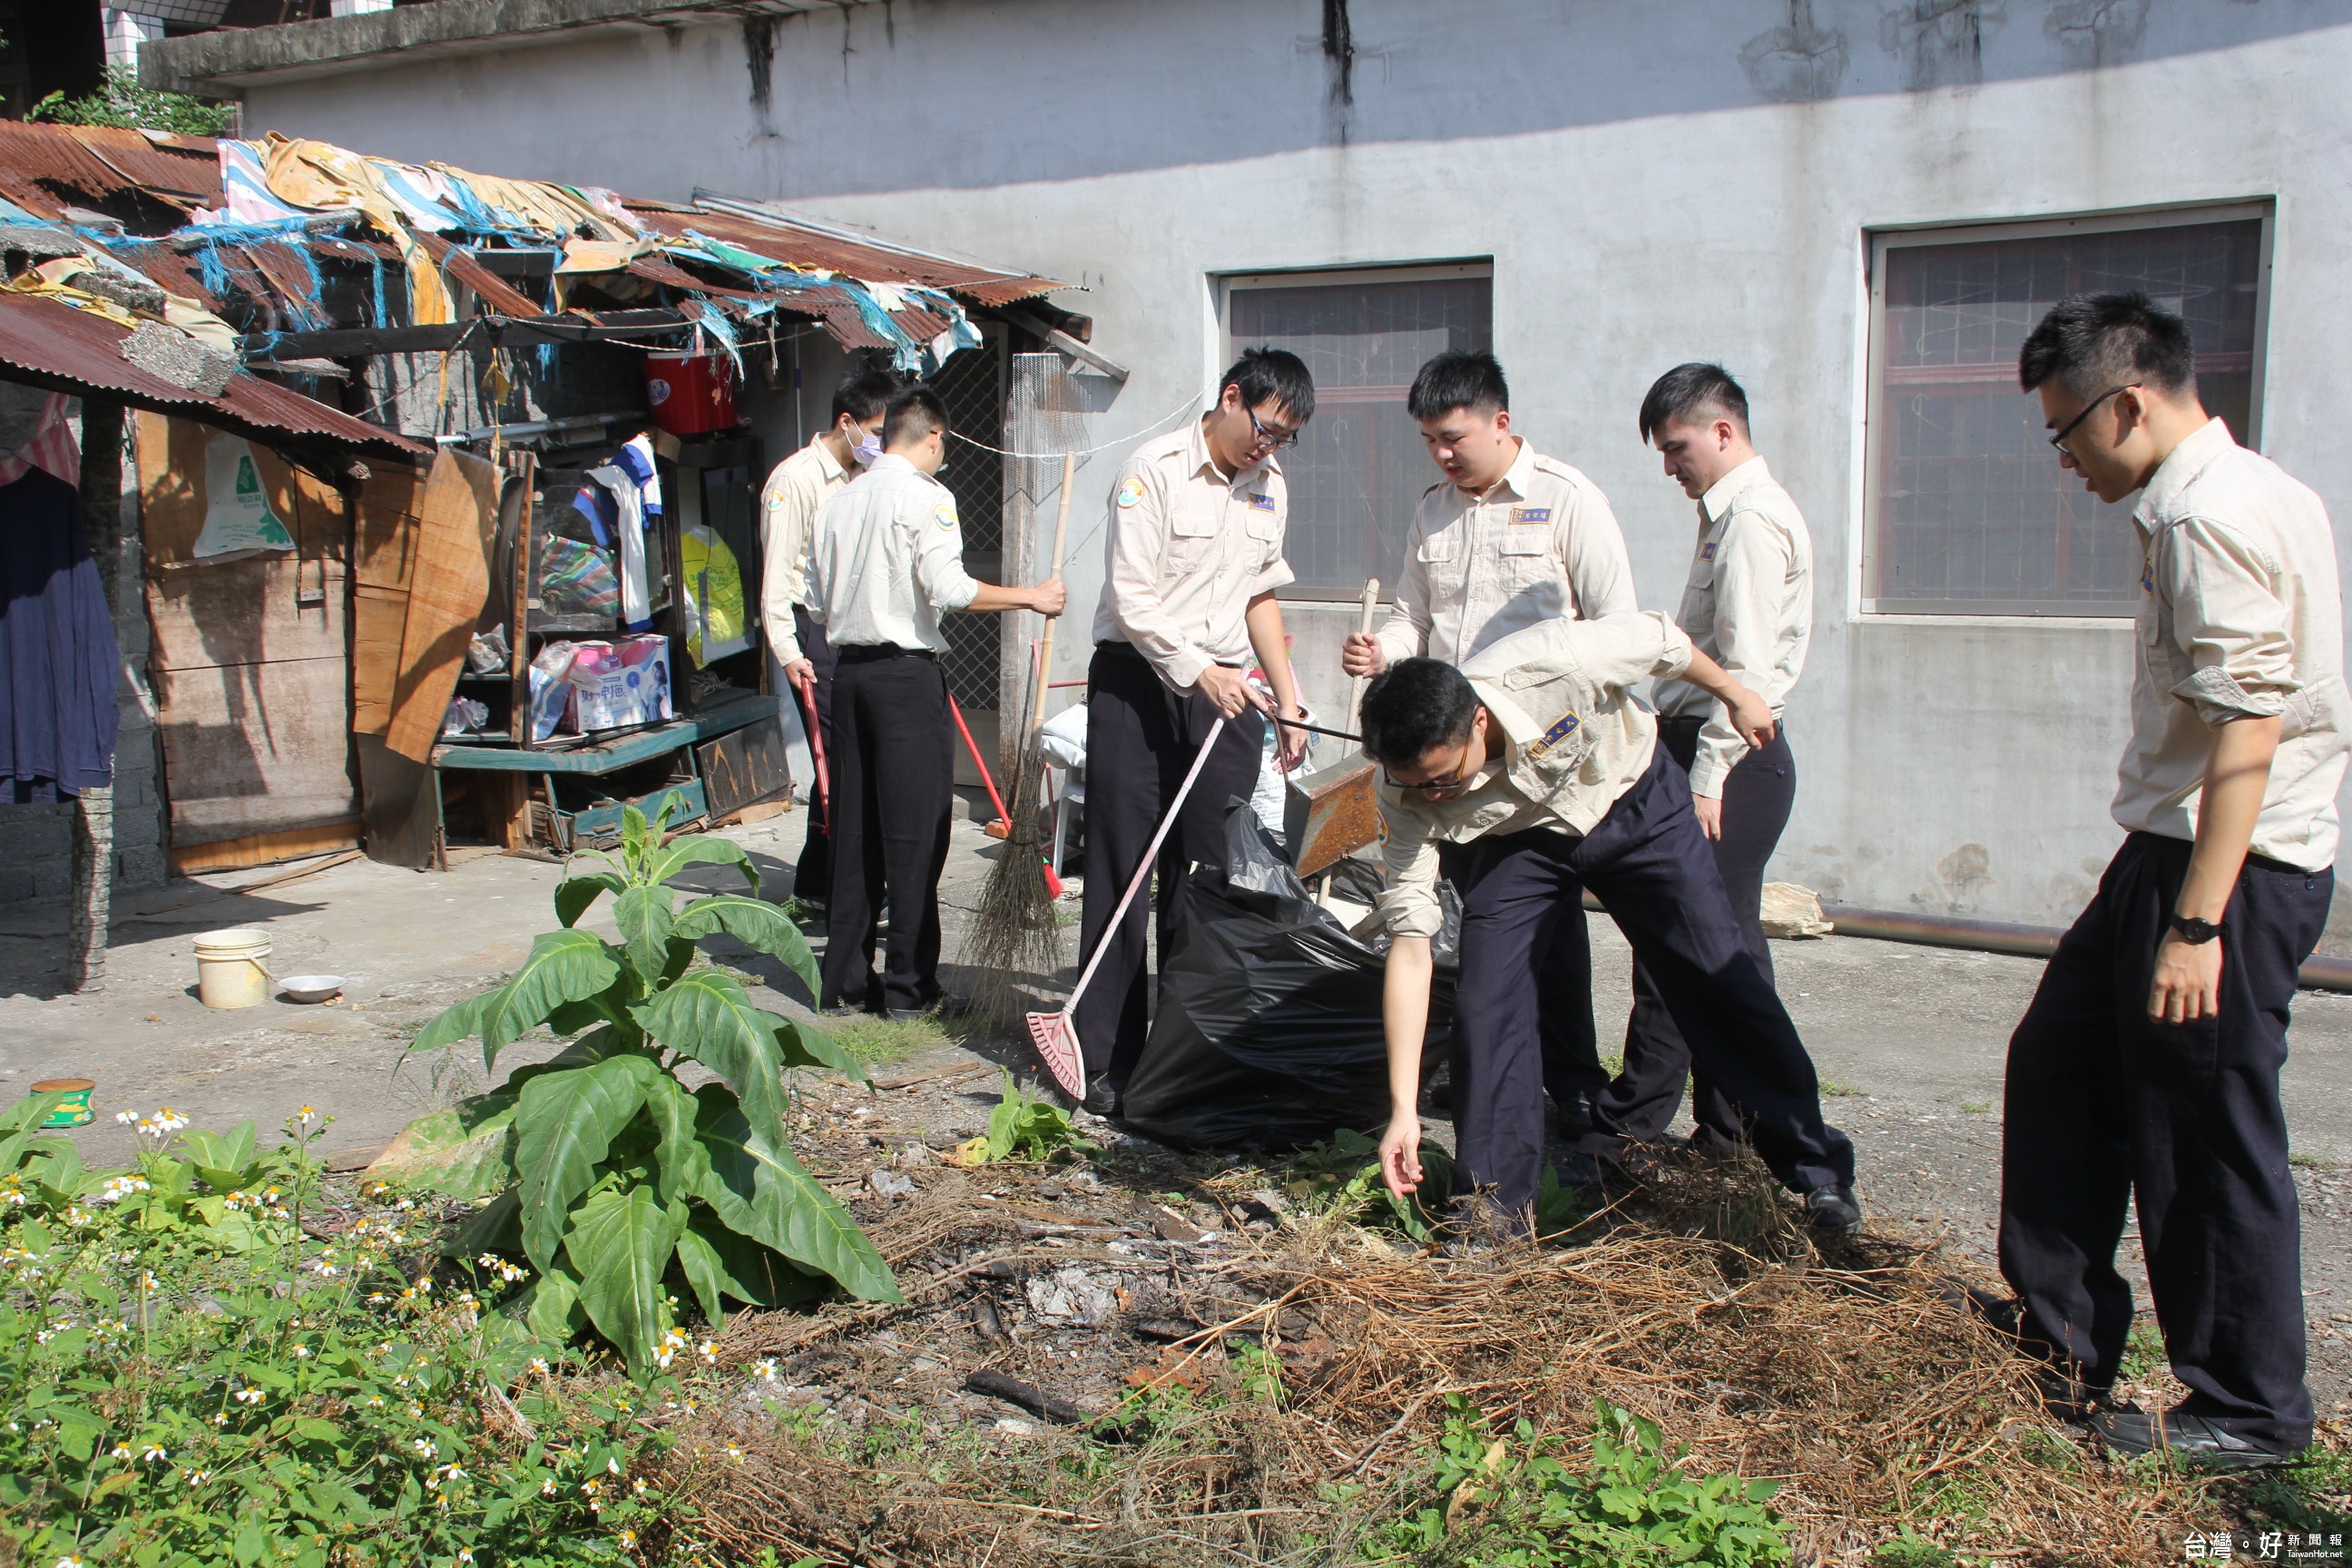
(893, 785)
(1650, 864)
(812, 876)
(1756, 799)
(2105, 1106)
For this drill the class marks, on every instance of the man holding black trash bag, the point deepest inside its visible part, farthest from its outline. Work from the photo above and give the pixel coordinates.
(1534, 759)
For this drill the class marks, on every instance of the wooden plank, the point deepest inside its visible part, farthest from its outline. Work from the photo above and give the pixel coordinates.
(253, 748)
(746, 766)
(456, 528)
(264, 848)
(247, 612)
(399, 824)
(384, 560)
(170, 455)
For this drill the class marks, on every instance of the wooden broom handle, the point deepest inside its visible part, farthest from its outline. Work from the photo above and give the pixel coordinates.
(1061, 540)
(1363, 625)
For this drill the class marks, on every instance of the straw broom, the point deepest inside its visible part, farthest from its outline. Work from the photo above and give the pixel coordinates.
(1014, 933)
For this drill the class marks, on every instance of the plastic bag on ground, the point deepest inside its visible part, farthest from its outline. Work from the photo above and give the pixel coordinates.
(1268, 1031)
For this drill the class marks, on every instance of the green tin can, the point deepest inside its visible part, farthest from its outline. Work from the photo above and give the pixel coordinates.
(74, 1111)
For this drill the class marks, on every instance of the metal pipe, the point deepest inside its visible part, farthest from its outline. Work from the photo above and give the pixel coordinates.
(2318, 973)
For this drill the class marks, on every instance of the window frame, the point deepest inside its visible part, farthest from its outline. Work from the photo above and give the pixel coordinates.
(1223, 284)
(1880, 240)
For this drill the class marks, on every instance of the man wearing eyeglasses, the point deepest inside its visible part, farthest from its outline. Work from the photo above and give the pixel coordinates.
(1192, 559)
(1508, 537)
(2147, 1070)
(1536, 763)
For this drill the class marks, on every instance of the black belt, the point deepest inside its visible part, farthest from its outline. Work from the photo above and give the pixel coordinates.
(869, 652)
(1128, 651)
(1678, 721)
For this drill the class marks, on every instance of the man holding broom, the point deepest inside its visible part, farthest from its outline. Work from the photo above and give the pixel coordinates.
(1537, 763)
(1194, 557)
(1506, 539)
(886, 560)
(788, 507)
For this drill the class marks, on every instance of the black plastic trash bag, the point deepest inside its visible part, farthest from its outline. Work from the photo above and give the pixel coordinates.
(1268, 1030)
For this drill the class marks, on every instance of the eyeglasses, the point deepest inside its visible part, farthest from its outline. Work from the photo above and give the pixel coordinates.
(2058, 442)
(1463, 774)
(1270, 439)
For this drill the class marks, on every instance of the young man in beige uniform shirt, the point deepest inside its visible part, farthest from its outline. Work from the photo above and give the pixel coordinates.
(1191, 563)
(1507, 539)
(886, 560)
(797, 487)
(1536, 763)
(2146, 1070)
(1749, 605)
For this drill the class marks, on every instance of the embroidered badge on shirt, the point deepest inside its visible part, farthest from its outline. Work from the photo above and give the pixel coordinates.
(1706, 551)
(946, 513)
(1261, 503)
(1531, 514)
(1130, 491)
(1554, 736)
(2147, 575)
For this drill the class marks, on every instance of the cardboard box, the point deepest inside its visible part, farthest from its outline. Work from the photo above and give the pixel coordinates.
(620, 684)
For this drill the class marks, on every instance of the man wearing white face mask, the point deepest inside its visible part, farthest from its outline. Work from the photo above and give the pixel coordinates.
(800, 485)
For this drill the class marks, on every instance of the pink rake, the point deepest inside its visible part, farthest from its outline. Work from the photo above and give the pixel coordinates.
(1058, 1041)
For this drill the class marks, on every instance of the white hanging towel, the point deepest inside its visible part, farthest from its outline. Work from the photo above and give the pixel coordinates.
(621, 486)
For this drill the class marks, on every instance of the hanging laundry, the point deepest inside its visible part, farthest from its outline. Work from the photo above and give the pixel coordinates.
(576, 579)
(34, 434)
(628, 504)
(714, 597)
(59, 661)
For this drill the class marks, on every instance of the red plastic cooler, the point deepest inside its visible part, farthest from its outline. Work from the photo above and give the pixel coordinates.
(690, 394)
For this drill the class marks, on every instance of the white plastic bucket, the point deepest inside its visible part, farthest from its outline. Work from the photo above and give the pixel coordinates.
(229, 968)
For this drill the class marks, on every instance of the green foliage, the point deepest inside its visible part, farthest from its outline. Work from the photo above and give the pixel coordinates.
(1508, 1502)
(623, 1188)
(176, 1396)
(1911, 1549)
(1343, 1181)
(1025, 1127)
(123, 103)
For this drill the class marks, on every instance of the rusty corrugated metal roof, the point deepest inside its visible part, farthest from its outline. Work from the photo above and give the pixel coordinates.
(876, 263)
(43, 168)
(55, 345)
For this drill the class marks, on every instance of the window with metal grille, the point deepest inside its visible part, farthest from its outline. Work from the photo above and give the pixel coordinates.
(1969, 512)
(972, 383)
(1360, 466)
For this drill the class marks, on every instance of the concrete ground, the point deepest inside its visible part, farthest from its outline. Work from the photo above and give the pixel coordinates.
(1909, 1040)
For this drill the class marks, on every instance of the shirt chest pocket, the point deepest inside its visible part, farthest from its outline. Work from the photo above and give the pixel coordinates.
(1440, 551)
(1191, 537)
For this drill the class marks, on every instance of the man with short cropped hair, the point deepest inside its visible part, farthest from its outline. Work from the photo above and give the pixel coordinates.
(1508, 537)
(788, 507)
(1192, 558)
(1748, 604)
(886, 560)
(2146, 1072)
(1537, 763)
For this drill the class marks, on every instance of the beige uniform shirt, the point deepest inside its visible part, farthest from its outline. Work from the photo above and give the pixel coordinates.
(788, 507)
(1575, 739)
(887, 557)
(1188, 549)
(2240, 614)
(1541, 542)
(1749, 605)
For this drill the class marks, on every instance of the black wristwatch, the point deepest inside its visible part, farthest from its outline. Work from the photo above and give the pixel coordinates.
(2194, 932)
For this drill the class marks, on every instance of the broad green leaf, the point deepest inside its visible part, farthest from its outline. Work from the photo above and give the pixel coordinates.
(497, 1228)
(684, 1162)
(562, 967)
(573, 1017)
(708, 1016)
(700, 850)
(756, 1275)
(699, 1260)
(55, 1165)
(757, 924)
(31, 1111)
(565, 1122)
(759, 1190)
(635, 836)
(644, 918)
(551, 1308)
(620, 1242)
(803, 1046)
(226, 1162)
(574, 895)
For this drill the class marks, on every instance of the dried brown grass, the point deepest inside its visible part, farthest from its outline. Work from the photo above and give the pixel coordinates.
(1699, 1303)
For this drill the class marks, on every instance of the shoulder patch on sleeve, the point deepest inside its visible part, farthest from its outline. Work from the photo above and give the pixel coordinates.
(944, 514)
(1130, 490)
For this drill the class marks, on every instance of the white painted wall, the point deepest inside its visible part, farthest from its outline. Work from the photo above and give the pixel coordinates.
(1652, 187)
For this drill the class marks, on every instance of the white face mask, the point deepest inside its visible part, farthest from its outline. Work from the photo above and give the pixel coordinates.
(864, 445)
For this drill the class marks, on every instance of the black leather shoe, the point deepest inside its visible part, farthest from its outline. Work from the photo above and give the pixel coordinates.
(1835, 1211)
(2194, 1438)
(1101, 1100)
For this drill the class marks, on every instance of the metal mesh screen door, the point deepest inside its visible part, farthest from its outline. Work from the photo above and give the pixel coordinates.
(972, 383)
(1045, 413)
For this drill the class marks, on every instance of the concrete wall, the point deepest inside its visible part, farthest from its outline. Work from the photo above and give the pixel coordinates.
(1653, 183)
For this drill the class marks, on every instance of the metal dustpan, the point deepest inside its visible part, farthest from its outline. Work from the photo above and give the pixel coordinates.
(1055, 1036)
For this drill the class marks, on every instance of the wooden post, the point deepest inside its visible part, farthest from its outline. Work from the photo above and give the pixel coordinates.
(93, 838)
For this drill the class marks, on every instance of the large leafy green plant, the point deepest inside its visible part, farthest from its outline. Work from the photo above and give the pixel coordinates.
(621, 1178)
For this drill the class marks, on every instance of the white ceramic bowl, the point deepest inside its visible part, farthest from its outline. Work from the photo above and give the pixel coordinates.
(311, 987)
